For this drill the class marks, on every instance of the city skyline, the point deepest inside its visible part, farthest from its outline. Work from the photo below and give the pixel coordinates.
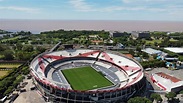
(150, 10)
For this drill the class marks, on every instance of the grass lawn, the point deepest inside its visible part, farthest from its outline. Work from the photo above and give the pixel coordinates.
(85, 78)
(14, 38)
(1, 56)
(9, 65)
(124, 52)
(3, 73)
(152, 41)
(173, 39)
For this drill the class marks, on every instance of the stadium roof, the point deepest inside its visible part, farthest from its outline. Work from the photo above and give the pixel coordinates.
(151, 51)
(175, 49)
(125, 68)
(166, 81)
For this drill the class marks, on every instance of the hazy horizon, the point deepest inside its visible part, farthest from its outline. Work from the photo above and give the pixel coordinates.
(37, 26)
(116, 15)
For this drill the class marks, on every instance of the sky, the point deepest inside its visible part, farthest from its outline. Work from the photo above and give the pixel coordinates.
(153, 10)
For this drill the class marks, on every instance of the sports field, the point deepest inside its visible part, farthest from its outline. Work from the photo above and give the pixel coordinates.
(85, 78)
(9, 65)
(3, 73)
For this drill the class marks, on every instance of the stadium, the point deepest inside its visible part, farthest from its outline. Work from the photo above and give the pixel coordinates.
(87, 76)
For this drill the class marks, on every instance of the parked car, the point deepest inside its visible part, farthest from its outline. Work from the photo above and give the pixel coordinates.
(14, 96)
(148, 69)
(23, 90)
(33, 88)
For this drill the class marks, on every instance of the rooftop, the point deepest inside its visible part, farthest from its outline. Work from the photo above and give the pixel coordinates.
(151, 51)
(175, 49)
(129, 55)
(166, 82)
(140, 31)
(173, 79)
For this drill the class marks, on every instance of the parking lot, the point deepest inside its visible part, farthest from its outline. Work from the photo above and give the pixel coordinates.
(27, 95)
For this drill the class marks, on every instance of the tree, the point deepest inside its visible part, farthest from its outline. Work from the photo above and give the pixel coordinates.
(21, 55)
(155, 43)
(41, 49)
(156, 97)
(28, 48)
(153, 63)
(138, 49)
(104, 36)
(145, 55)
(170, 96)
(2, 88)
(19, 46)
(181, 92)
(139, 100)
(131, 52)
(2, 48)
(9, 90)
(8, 55)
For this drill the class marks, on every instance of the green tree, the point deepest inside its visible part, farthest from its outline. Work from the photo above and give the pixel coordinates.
(9, 90)
(21, 55)
(155, 43)
(145, 55)
(138, 49)
(19, 46)
(170, 96)
(2, 88)
(28, 48)
(2, 48)
(8, 55)
(156, 97)
(104, 36)
(139, 100)
(181, 92)
(131, 52)
(41, 49)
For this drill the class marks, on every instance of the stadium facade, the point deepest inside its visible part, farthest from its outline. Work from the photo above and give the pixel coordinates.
(125, 74)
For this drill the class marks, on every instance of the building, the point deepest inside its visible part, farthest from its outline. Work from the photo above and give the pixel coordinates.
(125, 74)
(129, 55)
(96, 42)
(118, 34)
(140, 34)
(178, 50)
(139, 59)
(179, 65)
(170, 59)
(119, 45)
(96, 47)
(151, 51)
(167, 82)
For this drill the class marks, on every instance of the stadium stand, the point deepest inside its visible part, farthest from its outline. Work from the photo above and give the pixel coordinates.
(125, 74)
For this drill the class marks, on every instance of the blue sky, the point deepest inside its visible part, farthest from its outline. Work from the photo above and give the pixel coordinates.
(161, 10)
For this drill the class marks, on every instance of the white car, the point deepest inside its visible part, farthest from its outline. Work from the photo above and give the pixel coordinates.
(147, 69)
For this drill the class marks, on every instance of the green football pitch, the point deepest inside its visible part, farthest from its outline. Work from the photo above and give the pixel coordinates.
(85, 78)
